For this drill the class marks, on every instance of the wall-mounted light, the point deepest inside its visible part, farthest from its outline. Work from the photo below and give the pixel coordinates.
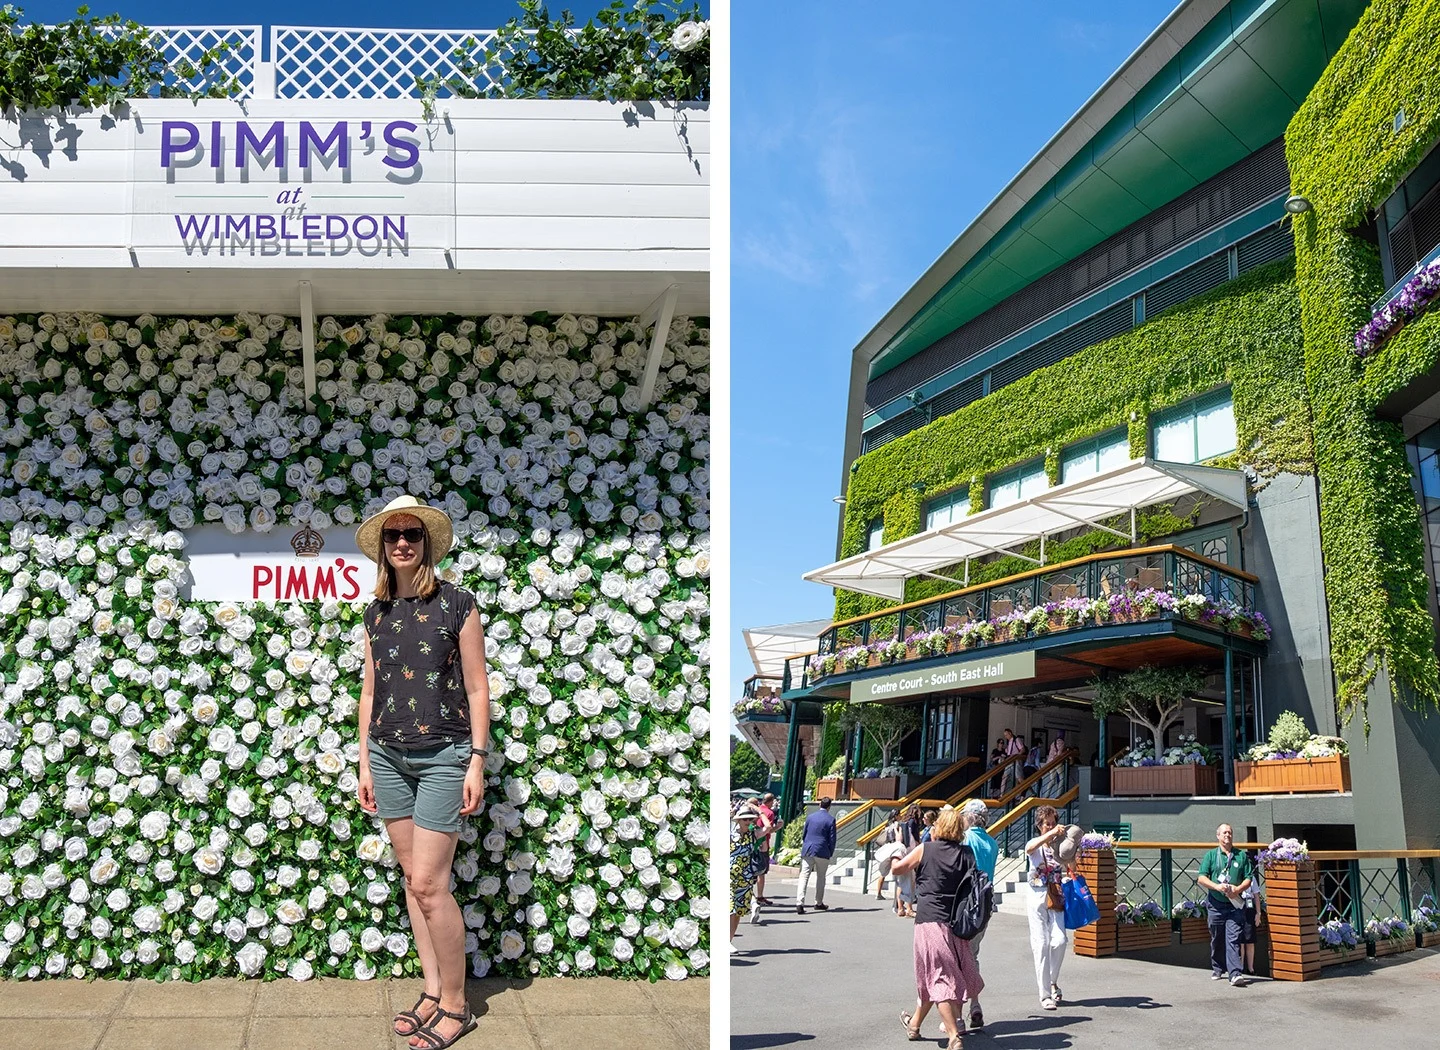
(1297, 205)
(838, 499)
(917, 487)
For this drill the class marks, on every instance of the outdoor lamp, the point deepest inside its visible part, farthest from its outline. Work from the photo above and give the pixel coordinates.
(838, 499)
(1297, 205)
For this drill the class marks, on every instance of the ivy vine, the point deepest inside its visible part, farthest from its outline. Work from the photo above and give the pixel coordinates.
(95, 62)
(645, 50)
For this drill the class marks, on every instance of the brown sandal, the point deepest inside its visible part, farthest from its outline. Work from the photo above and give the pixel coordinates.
(912, 1032)
(434, 1040)
(412, 1016)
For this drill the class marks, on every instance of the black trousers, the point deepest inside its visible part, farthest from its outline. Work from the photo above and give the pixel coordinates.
(1225, 923)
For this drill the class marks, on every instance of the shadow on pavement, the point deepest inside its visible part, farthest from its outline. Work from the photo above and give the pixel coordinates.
(1041, 1033)
(1138, 1002)
(756, 1042)
(756, 952)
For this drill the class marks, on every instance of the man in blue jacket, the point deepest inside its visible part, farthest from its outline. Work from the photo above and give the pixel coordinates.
(816, 850)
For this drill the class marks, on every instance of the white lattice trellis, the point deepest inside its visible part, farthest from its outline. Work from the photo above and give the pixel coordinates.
(188, 43)
(368, 63)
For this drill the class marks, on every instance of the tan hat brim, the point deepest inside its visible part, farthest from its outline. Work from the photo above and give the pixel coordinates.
(437, 524)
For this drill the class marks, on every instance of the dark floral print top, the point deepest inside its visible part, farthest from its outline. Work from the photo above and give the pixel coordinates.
(420, 698)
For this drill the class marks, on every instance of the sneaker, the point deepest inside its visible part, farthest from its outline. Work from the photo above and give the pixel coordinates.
(1217, 977)
(734, 950)
(822, 907)
(1236, 980)
(977, 1018)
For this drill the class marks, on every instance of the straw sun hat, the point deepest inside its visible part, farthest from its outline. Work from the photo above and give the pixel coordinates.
(437, 526)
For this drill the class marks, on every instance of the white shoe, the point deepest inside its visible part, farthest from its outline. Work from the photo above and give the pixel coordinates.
(1236, 980)
(1047, 1003)
(734, 950)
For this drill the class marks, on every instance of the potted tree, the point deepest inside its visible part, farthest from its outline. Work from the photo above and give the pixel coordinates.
(1153, 698)
(888, 725)
(1294, 760)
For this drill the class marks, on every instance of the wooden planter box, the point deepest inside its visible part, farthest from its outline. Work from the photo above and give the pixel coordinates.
(1391, 946)
(827, 787)
(1289, 776)
(1138, 938)
(875, 787)
(1330, 957)
(1187, 780)
(1098, 939)
(1194, 931)
(1427, 940)
(1294, 925)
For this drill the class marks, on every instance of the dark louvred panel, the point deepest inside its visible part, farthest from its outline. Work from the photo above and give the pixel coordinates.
(957, 397)
(1257, 178)
(1188, 283)
(1271, 243)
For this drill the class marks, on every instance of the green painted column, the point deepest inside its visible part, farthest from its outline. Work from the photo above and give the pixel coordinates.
(792, 788)
(924, 734)
(1229, 750)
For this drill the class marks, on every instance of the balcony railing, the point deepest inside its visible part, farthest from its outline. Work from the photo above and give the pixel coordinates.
(1145, 584)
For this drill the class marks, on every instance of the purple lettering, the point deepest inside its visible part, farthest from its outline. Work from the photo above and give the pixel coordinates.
(338, 139)
(392, 229)
(361, 234)
(265, 227)
(245, 139)
(194, 225)
(405, 147)
(216, 152)
(237, 226)
(332, 231)
(168, 146)
(310, 227)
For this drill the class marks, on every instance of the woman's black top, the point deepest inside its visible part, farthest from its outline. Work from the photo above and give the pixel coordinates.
(420, 698)
(944, 865)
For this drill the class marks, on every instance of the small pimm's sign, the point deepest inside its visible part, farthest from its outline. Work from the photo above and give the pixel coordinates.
(253, 567)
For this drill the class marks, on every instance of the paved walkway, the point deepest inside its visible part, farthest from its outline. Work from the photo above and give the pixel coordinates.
(600, 1013)
(840, 978)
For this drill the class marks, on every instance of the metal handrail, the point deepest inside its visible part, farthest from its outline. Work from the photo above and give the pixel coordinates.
(1062, 759)
(969, 789)
(1033, 802)
(909, 797)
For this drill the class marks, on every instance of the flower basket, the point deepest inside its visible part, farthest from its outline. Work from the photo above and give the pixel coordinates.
(1427, 940)
(1188, 780)
(885, 788)
(1194, 931)
(1333, 957)
(1137, 938)
(1393, 946)
(827, 787)
(1287, 776)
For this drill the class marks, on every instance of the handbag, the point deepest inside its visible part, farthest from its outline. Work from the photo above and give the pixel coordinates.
(1054, 897)
(1080, 907)
(887, 854)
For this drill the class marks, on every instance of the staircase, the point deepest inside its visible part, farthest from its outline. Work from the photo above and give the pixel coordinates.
(1010, 873)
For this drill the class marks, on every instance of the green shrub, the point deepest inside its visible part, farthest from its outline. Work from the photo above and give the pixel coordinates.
(1289, 733)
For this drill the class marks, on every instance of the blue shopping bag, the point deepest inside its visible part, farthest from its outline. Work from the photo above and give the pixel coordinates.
(1080, 907)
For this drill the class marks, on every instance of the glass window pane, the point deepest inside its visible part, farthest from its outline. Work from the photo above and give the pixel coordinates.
(1034, 483)
(1215, 429)
(1004, 493)
(1115, 453)
(1078, 464)
(1175, 440)
(877, 534)
(1430, 477)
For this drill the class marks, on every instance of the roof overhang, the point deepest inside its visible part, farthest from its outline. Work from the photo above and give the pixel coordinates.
(1003, 530)
(770, 647)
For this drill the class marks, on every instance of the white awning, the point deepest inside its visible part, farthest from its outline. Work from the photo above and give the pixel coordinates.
(770, 647)
(1002, 530)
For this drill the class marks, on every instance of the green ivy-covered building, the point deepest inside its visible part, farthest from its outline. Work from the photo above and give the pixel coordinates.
(1123, 422)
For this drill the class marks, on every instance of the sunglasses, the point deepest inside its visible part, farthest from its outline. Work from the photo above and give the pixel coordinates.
(411, 535)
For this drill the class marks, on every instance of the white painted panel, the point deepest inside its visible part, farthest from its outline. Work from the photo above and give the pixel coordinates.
(638, 169)
(583, 200)
(550, 232)
(583, 136)
(87, 198)
(21, 230)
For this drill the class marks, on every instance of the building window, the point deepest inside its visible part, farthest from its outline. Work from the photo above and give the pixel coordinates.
(875, 534)
(1195, 431)
(1096, 456)
(1019, 483)
(951, 507)
(1409, 220)
(942, 731)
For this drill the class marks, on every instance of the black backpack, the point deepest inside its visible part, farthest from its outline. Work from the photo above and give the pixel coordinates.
(974, 901)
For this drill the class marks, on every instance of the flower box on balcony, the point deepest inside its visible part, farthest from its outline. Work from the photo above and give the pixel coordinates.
(1189, 780)
(1286, 776)
(1194, 931)
(1137, 938)
(827, 787)
(875, 787)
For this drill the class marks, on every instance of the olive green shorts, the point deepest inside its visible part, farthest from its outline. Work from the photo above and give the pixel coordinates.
(426, 784)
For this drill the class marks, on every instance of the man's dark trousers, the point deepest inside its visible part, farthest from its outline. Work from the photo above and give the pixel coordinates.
(1224, 923)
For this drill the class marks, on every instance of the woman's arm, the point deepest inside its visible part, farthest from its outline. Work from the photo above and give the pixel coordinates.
(366, 790)
(908, 863)
(1044, 840)
(477, 688)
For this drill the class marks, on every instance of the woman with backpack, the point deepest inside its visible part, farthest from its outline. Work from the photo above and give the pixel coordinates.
(945, 971)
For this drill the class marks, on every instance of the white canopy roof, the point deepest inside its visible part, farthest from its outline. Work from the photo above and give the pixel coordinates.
(1002, 530)
(770, 647)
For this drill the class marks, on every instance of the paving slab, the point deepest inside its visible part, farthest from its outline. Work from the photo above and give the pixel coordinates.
(592, 996)
(171, 1033)
(221, 997)
(840, 978)
(361, 1032)
(647, 1031)
(324, 998)
(62, 998)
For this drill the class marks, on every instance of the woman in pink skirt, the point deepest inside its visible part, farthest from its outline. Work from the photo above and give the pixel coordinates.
(945, 970)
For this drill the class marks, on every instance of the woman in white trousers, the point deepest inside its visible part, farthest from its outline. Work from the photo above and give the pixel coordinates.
(1048, 939)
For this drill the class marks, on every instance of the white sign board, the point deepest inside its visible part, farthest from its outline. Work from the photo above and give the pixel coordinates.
(279, 566)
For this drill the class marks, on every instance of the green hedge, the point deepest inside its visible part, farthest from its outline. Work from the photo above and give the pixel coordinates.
(1346, 157)
(1246, 334)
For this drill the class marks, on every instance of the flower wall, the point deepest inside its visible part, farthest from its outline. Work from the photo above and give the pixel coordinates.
(177, 778)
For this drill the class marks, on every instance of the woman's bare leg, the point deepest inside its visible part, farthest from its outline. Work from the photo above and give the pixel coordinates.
(402, 838)
(427, 892)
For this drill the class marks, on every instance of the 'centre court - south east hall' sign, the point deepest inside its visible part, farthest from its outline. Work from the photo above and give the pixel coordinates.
(968, 674)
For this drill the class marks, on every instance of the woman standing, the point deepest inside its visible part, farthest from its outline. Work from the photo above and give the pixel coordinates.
(744, 862)
(907, 833)
(1047, 926)
(425, 727)
(945, 971)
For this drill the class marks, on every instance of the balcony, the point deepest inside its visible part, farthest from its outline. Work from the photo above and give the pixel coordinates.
(1089, 599)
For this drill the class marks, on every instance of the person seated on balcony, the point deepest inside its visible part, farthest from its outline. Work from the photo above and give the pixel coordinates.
(1226, 873)
(945, 970)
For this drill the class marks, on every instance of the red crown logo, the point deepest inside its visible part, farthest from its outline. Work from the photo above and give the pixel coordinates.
(307, 543)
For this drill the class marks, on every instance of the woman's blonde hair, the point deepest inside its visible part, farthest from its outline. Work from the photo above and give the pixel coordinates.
(426, 582)
(948, 825)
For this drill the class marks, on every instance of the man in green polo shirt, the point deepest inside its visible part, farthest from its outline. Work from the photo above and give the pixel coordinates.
(1226, 872)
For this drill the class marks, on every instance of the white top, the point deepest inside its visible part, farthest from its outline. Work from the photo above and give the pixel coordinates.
(1043, 857)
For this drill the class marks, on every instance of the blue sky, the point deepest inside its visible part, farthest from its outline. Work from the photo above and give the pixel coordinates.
(864, 142)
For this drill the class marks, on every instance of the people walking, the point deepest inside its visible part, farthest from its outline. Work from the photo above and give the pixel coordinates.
(945, 971)
(1226, 873)
(1046, 906)
(884, 857)
(769, 824)
(975, 815)
(817, 847)
(424, 716)
(1033, 758)
(907, 834)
